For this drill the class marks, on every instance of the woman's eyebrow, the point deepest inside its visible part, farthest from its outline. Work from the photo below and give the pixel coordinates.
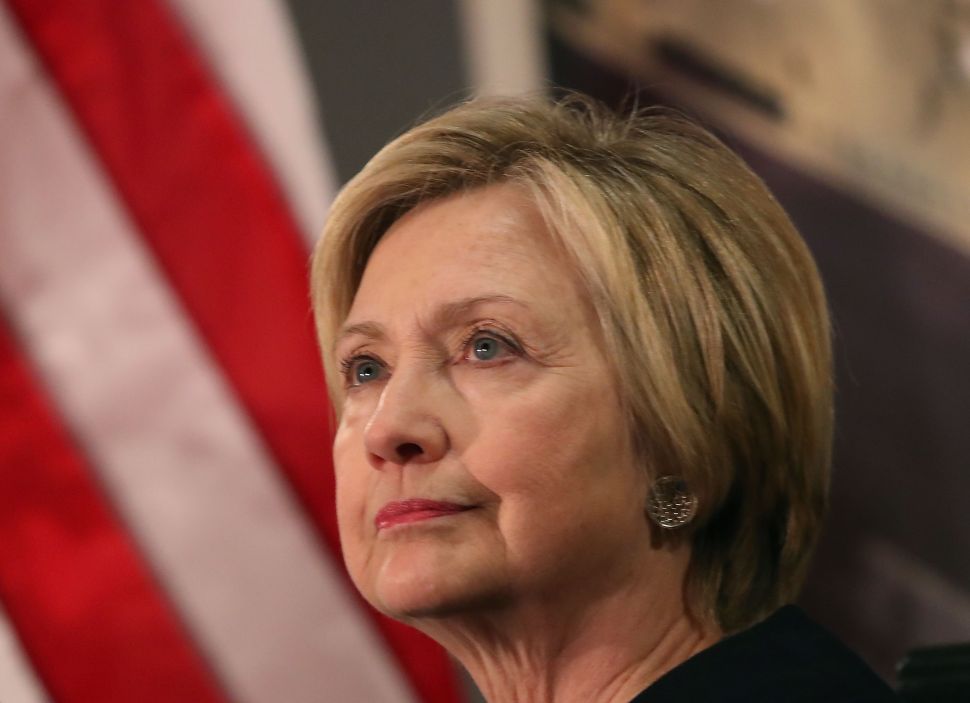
(454, 313)
(371, 330)
(444, 316)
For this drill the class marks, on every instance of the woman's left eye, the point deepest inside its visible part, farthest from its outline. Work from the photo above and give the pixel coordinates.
(486, 346)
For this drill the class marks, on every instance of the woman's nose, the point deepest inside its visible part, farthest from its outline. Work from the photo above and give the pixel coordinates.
(405, 427)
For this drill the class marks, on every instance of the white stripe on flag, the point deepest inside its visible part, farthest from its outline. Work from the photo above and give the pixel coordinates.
(18, 684)
(135, 385)
(253, 49)
(503, 46)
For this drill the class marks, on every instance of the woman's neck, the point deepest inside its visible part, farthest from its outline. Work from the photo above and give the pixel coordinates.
(602, 648)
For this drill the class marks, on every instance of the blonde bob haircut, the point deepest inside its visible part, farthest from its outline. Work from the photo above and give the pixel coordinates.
(711, 308)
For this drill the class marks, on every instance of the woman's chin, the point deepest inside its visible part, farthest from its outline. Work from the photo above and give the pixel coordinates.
(411, 587)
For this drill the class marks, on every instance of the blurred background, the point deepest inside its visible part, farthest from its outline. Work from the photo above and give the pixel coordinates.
(166, 522)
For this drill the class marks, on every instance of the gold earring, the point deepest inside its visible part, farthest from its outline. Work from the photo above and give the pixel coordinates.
(670, 503)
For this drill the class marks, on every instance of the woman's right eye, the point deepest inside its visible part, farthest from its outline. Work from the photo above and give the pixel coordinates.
(361, 370)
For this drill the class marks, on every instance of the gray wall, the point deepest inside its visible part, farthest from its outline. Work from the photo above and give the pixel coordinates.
(377, 66)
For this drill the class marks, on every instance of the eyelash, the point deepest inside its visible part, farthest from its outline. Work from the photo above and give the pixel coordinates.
(347, 363)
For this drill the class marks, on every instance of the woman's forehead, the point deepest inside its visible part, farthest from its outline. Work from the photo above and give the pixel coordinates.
(498, 221)
(490, 242)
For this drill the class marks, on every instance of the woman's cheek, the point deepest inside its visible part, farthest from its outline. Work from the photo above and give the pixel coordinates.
(525, 434)
(501, 383)
(350, 475)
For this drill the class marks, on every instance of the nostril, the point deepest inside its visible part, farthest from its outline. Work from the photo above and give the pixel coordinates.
(408, 450)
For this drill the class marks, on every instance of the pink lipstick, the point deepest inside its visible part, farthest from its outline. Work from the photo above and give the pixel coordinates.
(414, 510)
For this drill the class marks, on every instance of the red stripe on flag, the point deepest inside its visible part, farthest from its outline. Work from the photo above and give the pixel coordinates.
(89, 615)
(208, 205)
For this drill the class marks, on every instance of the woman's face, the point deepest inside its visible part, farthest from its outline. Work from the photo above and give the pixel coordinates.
(482, 458)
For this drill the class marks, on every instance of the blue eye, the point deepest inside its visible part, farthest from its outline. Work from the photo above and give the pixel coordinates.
(364, 370)
(486, 348)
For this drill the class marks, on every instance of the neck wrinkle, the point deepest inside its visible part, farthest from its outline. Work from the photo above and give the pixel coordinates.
(606, 651)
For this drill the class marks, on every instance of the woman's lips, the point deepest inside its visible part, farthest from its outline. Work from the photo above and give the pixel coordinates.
(414, 510)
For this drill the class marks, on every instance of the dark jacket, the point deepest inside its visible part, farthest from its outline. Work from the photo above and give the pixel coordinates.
(787, 658)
